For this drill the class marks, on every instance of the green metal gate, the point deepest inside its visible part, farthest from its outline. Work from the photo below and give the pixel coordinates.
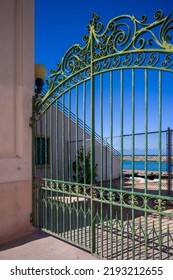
(105, 107)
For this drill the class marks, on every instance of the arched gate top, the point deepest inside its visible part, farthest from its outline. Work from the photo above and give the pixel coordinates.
(126, 42)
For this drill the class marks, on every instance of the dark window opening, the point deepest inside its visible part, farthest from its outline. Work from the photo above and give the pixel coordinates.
(42, 151)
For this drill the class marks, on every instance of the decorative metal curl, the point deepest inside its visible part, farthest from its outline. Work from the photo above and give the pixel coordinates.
(168, 62)
(133, 200)
(159, 204)
(140, 59)
(123, 35)
(154, 58)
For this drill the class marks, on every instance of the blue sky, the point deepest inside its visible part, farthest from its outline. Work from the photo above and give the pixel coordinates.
(61, 24)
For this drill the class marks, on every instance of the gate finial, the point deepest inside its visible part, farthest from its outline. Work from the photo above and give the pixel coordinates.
(95, 24)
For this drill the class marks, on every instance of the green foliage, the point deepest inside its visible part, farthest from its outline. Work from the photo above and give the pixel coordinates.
(84, 164)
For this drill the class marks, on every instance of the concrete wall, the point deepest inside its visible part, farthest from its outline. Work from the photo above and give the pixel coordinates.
(16, 89)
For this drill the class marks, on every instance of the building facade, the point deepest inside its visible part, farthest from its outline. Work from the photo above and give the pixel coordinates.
(16, 89)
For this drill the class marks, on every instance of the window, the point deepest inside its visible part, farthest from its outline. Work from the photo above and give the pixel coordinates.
(42, 151)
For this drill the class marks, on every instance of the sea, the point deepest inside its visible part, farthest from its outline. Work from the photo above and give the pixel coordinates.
(140, 165)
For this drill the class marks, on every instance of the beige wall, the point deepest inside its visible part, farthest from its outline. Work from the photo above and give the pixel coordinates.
(16, 89)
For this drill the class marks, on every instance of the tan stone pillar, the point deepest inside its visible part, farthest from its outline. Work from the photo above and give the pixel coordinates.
(16, 89)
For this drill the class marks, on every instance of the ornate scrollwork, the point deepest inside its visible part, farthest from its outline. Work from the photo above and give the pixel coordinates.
(125, 42)
(133, 200)
(140, 59)
(159, 205)
(148, 203)
(168, 61)
(154, 58)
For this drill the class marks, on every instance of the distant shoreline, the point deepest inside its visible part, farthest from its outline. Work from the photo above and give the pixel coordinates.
(142, 158)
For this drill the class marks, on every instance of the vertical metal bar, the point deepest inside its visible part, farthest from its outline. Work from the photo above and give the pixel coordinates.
(106, 159)
(63, 166)
(51, 144)
(117, 241)
(169, 160)
(146, 128)
(46, 216)
(107, 235)
(92, 110)
(57, 141)
(133, 163)
(84, 157)
(81, 218)
(63, 214)
(146, 160)
(153, 231)
(97, 234)
(160, 158)
(39, 167)
(74, 224)
(60, 216)
(69, 136)
(46, 144)
(160, 130)
(85, 223)
(63, 138)
(70, 213)
(101, 156)
(51, 209)
(111, 128)
(77, 163)
(36, 150)
(77, 158)
(77, 218)
(40, 147)
(121, 126)
(101, 130)
(84, 130)
(128, 237)
(121, 159)
(133, 128)
(56, 205)
(67, 217)
(111, 159)
(160, 237)
(47, 155)
(50, 215)
(168, 243)
(139, 239)
(51, 169)
(57, 208)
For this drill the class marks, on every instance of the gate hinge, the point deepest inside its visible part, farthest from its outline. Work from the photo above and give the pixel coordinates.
(31, 217)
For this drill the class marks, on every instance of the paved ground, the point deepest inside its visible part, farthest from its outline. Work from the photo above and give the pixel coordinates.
(41, 246)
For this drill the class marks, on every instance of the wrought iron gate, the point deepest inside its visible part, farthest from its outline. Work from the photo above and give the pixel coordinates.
(111, 87)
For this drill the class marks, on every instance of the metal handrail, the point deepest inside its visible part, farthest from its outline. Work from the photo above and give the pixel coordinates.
(81, 124)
